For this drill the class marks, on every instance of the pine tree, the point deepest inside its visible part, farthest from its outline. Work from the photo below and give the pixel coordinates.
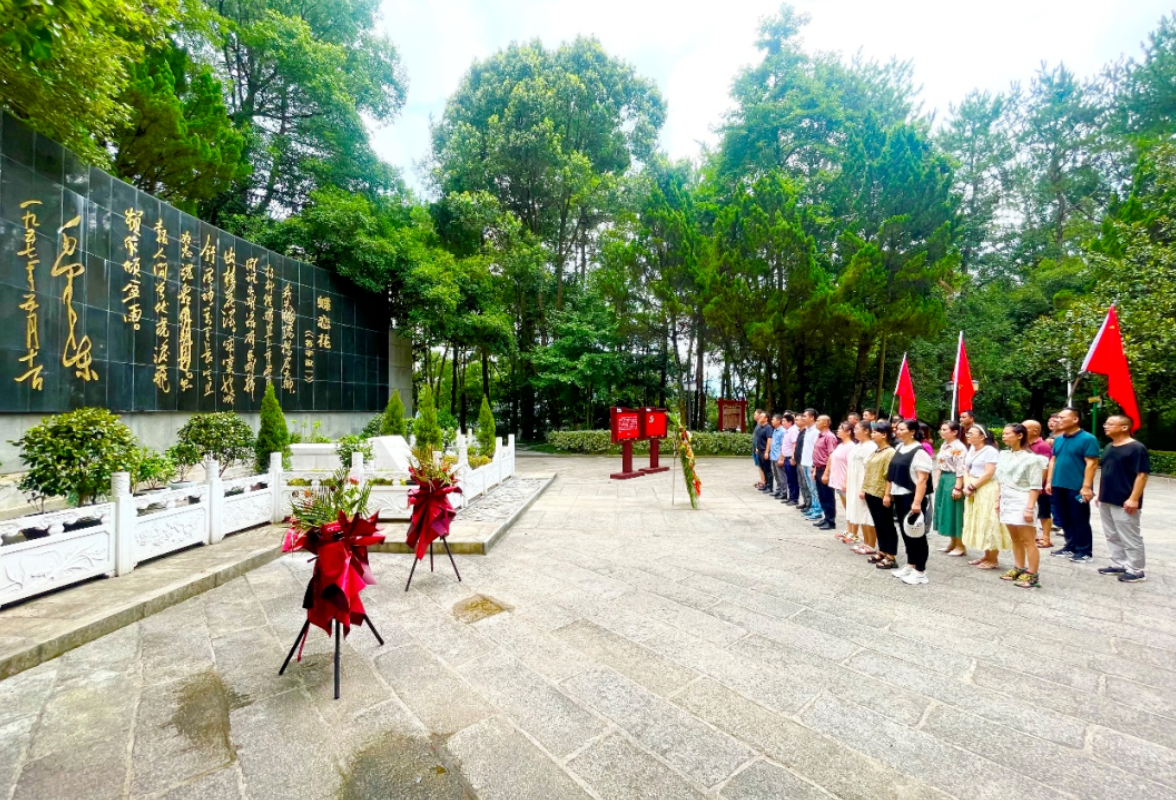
(392, 423)
(486, 429)
(427, 429)
(273, 436)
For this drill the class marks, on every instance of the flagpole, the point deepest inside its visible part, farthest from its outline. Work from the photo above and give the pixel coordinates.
(955, 377)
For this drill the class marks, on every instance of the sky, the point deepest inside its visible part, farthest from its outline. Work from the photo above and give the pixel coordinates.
(693, 50)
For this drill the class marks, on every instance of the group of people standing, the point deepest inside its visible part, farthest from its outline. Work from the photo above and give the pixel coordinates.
(890, 482)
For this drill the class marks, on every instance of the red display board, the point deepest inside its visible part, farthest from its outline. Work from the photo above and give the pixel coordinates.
(653, 423)
(625, 424)
(733, 415)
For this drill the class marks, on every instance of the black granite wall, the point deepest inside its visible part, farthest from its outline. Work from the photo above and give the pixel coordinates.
(110, 297)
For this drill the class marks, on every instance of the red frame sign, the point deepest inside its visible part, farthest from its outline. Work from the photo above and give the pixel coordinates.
(625, 424)
(733, 411)
(653, 423)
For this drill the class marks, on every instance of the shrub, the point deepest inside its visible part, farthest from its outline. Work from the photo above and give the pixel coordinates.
(373, 428)
(74, 454)
(1163, 462)
(300, 433)
(704, 443)
(272, 436)
(184, 456)
(428, 431)
(392, 423)
(352, 444)
(479, 461)
(223, 436)
(153, 468)
(486, 429)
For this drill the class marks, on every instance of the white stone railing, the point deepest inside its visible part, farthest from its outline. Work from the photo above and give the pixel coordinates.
(64, 547)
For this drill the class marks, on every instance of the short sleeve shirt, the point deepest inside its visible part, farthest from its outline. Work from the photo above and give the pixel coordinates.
(1042, 448)
(1020, 469)
(977, 460)
(777, 442)
(1120, 467)
(790, 437)
(810, 442)
(1070, 454)
(760, 437)
(920, 463)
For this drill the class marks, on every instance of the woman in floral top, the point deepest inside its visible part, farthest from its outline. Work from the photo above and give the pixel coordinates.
(949, 492)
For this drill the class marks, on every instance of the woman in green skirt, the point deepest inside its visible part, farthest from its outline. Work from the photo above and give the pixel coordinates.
(949, 489)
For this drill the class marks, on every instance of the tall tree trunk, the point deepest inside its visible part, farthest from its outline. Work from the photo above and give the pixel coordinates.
(881, 374)
(700, 379)
(485, 373)
(859, 374)
(453, 381)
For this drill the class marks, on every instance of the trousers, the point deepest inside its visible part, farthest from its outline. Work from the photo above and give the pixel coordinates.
(1124, 539)
(916, 546)
(790, 475)
(827, 497)
(1074, 513)
(883, 525)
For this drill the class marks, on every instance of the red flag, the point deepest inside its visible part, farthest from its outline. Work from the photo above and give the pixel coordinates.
(905, 391)
(962, 378)
(1106, 357)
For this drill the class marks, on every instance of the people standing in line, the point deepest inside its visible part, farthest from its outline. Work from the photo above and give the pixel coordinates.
(982, 527)
(1019, 473)
(822, 451)
(758, 436)
(876, 493)
(837, 470)
(788, 450)
(861, 525)
(774, 456)
(1070, 482)
(909, 475)
(813, 514)
(1126, 465)
(949, 489)
(806, 432)
(1044, 512)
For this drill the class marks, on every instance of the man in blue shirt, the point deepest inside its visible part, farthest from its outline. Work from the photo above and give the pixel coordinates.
(774, 451)
(1070, 482)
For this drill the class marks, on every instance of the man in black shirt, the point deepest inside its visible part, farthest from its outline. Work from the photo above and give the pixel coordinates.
(1125, 467)
(758, 437)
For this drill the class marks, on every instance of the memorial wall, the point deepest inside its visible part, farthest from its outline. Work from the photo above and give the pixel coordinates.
(110, 297)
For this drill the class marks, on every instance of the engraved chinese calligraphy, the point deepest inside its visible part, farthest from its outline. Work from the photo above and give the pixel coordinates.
(229, 327)
(77, 354)
(161, 355)
(29, 304)
(187, 281)
(251, 326)
(207, 301)
(289, 320)
(132, 309)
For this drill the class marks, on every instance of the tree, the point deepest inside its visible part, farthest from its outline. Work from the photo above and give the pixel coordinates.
(74, 455)
(487, 432)
(300, 77)
(272, 436)
(64, 65)
(426, 428)
(392, 423)
(179, 143)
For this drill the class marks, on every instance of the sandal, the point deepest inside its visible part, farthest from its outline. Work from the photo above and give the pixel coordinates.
(975, 562)
(864, 549)
(985, 565)
(1044, 545)
(874, 559)
(959, 551)
(886, 563)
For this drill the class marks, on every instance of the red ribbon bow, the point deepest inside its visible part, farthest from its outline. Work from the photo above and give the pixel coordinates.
(432, 514)
(341, 569)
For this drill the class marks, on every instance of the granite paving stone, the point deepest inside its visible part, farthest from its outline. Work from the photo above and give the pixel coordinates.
(614, 645)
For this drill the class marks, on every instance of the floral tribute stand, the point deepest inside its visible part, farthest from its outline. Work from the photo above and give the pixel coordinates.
(341, 567)
(432, 513)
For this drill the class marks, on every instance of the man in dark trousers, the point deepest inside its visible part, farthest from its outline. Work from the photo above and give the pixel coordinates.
(1125, 467)
(1070, 482)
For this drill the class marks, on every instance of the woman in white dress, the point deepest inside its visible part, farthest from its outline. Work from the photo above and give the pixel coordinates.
(861, 526)
(1020, 472)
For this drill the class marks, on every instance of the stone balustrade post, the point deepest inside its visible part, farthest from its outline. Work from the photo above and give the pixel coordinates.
(356, 470)
(125, 519)
(275, 482)
(216, 500)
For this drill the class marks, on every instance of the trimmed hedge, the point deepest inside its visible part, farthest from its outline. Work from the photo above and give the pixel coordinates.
(1163, 462)
(599, 442)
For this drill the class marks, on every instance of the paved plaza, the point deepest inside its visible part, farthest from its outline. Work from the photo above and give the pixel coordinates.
(620, 646)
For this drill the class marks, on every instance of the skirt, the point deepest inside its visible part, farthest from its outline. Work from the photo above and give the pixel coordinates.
(1012, 506)
(982, 527)
(949, 513)
(856, 512)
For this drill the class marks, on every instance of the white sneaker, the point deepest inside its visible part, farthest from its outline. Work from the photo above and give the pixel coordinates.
(902, 572)
(915, 578)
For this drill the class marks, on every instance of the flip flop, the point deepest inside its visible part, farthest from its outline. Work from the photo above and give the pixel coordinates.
(984, 565)
(976, 562)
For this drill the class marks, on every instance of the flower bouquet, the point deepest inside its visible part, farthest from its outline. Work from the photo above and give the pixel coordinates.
(330, 522)
(686, 457)
(432, 513)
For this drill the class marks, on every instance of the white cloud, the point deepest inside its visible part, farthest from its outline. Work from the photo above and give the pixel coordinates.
(693, 51)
